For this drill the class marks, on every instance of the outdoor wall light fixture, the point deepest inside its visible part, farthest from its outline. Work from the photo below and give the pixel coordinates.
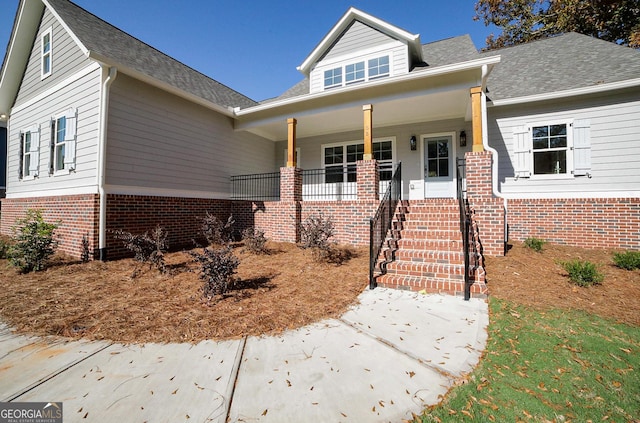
(3, 116)
(463, 139)
(412, 143)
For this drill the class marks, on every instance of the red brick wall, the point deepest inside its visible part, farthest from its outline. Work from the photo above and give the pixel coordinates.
(278, 218)
(77, 215)
(488, 211)
(181, 217)
(589, 223)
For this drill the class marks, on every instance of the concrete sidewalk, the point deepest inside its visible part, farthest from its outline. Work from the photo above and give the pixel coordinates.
(391, 355)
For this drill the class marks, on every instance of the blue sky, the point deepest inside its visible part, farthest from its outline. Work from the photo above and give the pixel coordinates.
(255, 46)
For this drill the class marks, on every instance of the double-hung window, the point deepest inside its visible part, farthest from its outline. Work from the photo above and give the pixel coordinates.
(63, 142)
(29, 153)
(46, 46)
(339, 161)
(553, 149)
(549, 149)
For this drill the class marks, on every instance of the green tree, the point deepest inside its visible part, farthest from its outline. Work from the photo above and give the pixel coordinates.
(34, 242)
(522, 21)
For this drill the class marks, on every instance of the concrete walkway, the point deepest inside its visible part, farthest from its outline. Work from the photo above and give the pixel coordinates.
(391, 355)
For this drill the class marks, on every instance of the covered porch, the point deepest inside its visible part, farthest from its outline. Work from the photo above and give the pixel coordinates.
(425, 121)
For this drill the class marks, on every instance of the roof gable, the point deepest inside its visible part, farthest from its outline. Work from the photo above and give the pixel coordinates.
(111, 46)
(354, 15)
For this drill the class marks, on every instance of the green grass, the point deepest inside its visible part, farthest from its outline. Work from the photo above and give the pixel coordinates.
(556, 365)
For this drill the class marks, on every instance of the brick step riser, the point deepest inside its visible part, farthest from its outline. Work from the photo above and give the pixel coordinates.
(424, 244)
(429, 235)
(426, 226)
(431, 286)
(434, 270)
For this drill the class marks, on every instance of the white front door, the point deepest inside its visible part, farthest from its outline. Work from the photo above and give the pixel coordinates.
(439, 174)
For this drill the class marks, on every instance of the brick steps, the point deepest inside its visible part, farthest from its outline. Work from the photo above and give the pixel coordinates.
(423, 250)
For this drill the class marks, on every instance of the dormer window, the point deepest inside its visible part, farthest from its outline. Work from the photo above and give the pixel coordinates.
(379, 67)
(333, 78)
(45, 50)
(354, 72)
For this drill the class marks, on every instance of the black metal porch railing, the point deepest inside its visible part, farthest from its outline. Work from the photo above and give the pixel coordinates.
(256, 187)
(469, 244)
(331, 183)
(381, 222)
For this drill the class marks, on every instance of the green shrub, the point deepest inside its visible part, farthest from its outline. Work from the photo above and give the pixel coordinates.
(534, 244)
(254, 241)
(5, 244)
(146, 248)
(628, 260)
(217, 267)
(34, 242)
(583, 273)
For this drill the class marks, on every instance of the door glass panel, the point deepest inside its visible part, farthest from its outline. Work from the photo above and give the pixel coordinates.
(437, 158)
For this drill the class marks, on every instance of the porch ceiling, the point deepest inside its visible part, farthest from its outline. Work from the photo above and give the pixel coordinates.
(349, 117)
(422, 96)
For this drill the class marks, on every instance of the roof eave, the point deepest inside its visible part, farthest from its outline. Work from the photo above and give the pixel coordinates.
(593, 89)
(441, 70)
(354, 14)
(18, 51)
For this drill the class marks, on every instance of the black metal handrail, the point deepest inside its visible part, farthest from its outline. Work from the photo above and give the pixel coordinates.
(256, 187)
(469, 236)
(381, 221)
(330, 183)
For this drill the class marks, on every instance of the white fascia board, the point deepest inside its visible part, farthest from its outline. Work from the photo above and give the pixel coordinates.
(593, 89)
(18, 51)
(73, 36)
(160, 84)
(438, 71)
(355, 14)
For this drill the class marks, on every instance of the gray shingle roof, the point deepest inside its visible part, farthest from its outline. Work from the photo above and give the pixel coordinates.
(449, 51)
(563, 62)
(115, 45)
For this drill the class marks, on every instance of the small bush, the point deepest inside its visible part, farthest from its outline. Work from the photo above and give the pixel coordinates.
(534, 244)
(217, 267)
(86, 252)
(583, 273)
(315, 232)
(5, 244)
(628, 260)
(215, 231)
(146, 248)
(254, 241)
(34, 242)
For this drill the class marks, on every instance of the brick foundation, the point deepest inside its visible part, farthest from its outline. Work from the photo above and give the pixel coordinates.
(584, 222)
(77, 215)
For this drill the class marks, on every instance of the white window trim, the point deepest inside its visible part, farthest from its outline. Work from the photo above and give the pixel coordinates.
(34, 154)
(48, 32)
(69, 142)
(344, 144)
(569, 149)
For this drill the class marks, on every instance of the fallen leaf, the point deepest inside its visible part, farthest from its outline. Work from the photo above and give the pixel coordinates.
(264, 413)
